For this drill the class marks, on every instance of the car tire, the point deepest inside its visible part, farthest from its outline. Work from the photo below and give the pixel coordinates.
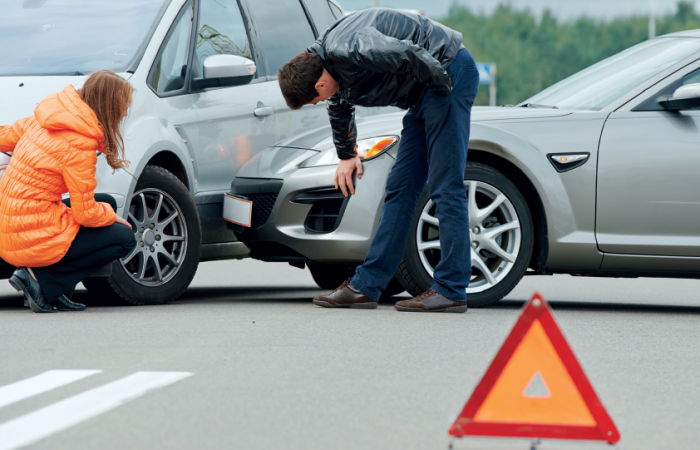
(330, 276)
(169, 238)
(516, 242)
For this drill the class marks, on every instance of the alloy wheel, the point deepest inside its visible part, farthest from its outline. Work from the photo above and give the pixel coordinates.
(494, 236)
(161, 238)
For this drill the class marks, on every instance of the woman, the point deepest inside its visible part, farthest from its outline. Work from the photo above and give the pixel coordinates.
(55, 244)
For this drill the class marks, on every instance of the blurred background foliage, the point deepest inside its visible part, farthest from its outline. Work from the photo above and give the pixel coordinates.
(533, 54)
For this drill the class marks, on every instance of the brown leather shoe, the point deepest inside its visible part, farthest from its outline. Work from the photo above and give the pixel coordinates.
(345, 296)
(431, 301)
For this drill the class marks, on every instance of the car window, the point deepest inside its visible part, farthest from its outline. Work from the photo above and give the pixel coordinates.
(283, 31)
(321, 14)
(170, 67)
(75, 37)
(220, 31)
(601, 84)
(692, 77)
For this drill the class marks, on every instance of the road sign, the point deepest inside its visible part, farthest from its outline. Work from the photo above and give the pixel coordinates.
(535, 388)
(485, 72)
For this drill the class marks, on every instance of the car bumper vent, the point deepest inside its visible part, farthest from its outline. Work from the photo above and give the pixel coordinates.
(327, 210)
(262, 208)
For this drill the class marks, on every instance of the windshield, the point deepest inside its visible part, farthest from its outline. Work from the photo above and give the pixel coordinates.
(48, 37)
(599, 85)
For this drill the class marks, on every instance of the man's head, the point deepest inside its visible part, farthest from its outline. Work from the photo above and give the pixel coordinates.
(304, 81)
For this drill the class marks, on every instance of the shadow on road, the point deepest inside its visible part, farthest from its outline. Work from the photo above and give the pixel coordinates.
(302, 294)
(599, 306)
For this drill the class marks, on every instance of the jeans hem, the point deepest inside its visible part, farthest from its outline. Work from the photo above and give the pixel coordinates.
(364, 289)
(448, 293)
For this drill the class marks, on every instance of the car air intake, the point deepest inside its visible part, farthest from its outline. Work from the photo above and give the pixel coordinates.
(262, 192)
(327, 210)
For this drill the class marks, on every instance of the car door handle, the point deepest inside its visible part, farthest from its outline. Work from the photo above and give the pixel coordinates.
(266, 111)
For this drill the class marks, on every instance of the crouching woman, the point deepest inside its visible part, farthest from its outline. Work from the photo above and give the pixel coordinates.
(55, 243)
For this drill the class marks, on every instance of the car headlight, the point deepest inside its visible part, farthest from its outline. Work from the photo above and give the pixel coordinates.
(366, 149)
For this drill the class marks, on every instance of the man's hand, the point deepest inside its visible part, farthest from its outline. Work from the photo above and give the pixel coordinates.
(122, 221)
(343, 174)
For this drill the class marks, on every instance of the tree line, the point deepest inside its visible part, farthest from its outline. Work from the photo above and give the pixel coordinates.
(533, 54)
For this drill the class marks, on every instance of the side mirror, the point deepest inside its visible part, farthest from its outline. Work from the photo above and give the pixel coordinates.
(685, 97)
(223, 71)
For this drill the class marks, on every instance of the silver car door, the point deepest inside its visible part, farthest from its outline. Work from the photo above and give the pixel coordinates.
(648, 199)
(234, 122)
(282, 31)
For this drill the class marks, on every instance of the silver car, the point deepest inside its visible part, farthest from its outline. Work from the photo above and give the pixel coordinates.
(595, 176)
(206, 101)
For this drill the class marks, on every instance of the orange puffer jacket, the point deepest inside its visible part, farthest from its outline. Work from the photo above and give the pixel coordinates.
(54, 152)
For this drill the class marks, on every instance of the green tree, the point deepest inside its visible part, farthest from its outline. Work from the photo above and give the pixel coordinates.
(533, 54)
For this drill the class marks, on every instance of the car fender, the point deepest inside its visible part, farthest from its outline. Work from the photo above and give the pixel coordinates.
(565, 231)
(149, 136)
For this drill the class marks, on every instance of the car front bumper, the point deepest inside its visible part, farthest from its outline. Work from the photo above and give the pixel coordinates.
(299, 216)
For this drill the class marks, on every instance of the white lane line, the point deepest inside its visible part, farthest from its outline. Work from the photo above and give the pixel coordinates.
(44, 382)
(73, 410)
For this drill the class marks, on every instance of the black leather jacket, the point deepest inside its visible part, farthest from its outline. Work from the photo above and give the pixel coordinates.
(383, 57)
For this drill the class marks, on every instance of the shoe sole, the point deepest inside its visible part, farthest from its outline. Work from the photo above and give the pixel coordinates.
(451, 309)
(34, 307)
(366, 305)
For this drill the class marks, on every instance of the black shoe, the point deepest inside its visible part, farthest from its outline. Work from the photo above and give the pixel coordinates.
(65, 304)
(17, 282)
(22, 280)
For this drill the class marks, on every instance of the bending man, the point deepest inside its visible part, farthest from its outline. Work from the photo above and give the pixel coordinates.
(383, 57)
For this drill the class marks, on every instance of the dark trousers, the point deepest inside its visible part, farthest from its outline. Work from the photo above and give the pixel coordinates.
(91, 249)
(433, 148)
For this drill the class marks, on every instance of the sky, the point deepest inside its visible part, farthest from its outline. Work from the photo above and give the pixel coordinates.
(563, 9)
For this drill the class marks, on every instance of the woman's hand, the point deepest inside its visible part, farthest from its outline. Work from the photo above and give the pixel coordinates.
(122, 221)
(343, 174)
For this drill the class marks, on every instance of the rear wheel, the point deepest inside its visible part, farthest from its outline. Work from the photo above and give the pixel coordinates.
(168, 235)
(501, 236)
(330, 276)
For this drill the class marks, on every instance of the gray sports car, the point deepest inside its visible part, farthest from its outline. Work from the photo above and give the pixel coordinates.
(595, 176)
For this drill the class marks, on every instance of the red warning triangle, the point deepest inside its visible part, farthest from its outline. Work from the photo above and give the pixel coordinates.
(535, 387)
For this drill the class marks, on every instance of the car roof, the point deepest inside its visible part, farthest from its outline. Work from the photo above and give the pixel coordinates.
(689, 34)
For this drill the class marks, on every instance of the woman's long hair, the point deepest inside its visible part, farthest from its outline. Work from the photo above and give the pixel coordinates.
(109, 96)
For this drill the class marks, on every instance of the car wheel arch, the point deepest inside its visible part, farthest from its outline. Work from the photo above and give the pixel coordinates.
(170, 162)
(532, 196)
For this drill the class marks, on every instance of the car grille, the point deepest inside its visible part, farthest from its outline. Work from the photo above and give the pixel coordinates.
(262, 207)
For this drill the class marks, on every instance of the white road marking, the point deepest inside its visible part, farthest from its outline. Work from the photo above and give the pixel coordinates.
(73, 410)
(39, 384)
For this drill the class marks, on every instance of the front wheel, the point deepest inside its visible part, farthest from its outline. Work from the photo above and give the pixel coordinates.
(501, 236)
(169, 237)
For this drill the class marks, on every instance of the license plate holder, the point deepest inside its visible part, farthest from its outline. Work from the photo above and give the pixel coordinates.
(238, 210)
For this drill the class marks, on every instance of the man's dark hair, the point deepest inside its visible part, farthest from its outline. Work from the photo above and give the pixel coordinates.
(298, 79)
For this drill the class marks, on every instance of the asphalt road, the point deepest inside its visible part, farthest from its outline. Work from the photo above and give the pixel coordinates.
(259, 367)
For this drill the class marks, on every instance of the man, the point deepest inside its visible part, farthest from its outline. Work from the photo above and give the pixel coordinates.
(383, 57)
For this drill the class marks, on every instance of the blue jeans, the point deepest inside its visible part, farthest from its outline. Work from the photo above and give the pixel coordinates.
(433, 148)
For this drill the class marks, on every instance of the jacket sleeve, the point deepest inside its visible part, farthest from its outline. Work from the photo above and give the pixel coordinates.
(79, 175)
(10, 135)
(342, 117)
(380, 53)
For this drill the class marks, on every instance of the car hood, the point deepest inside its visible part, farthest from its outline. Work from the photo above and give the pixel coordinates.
(21, 94)
(391, 124)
